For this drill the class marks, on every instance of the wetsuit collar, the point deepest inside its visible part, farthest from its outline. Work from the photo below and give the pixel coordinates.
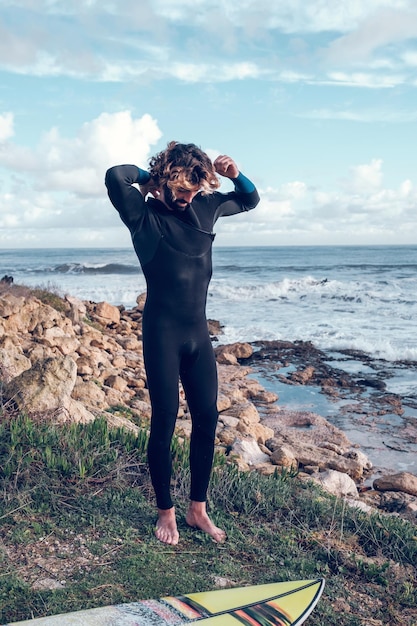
(188, 215)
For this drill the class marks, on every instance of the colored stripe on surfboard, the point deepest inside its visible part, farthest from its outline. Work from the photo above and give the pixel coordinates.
(280, 609)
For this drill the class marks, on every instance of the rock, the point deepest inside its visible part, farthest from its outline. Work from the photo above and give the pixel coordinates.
(90, 394)
(238, 350)
(6, 280)
(56, 337)
(256, 430)
(229, 420)
(246, 412)
(116, 382)
(12, 360)
(10, 304)
(361, 457)
(304, 376)
(77, 311)
(304, 433)
(116, 421)
(249, 452)
(214, 327)
(74, 412)
(284, 457)
(107, 313)
(336, 483)
(47, 584)
(393, 501)
(404, 481)
(223, 402)
(130, 343)
(45, 387)
(226, 358)
(359, 504)
(227, 436)
(140, 301)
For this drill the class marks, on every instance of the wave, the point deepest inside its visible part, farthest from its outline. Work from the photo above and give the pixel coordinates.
(274, 290)
(313, 289)
(377, 348)
(89, 269)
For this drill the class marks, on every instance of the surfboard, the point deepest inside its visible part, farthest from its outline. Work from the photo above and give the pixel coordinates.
(274, 604)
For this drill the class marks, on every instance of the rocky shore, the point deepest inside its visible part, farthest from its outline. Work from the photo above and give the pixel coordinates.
(69, 360)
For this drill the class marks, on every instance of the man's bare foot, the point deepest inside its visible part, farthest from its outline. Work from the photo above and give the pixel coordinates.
(166, 526)
(197, 518)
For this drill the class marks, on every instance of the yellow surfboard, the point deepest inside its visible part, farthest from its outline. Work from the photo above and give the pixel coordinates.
(274, 604)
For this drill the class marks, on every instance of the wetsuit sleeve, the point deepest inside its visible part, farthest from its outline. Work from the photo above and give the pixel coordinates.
(128, 200)
(245, 197)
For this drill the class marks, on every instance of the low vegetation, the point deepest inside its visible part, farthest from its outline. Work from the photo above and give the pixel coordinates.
(77, 519)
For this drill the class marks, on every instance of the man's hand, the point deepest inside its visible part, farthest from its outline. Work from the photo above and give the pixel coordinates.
(149, 187)
(225, 166)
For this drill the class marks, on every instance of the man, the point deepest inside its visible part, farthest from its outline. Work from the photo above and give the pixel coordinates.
(172, 236)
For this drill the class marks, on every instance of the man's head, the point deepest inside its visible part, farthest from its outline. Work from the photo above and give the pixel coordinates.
(181, 171)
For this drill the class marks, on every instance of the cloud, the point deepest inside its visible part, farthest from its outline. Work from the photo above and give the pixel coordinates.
(60, 183)
(70, 202)
(365, 116)
(189, 72)
(379, 29)
(225, 41)
(361, 210)
(363, 79)
(6, 127)
(366, 178)
(77, 164)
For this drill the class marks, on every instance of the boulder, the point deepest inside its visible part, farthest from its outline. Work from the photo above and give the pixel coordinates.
(336, 483)
(45, 387)
(12, 360)
(284, 457)
(249, 452)
(238, 350)
(404, 481)
(107, 313)
(140, 301)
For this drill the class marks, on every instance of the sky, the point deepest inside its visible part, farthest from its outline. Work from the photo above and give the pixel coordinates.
(315, 101)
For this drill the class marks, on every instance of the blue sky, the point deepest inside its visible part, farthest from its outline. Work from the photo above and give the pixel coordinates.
(316, 102)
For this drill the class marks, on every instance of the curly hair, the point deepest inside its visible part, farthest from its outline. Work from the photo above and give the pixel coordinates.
(183, 166)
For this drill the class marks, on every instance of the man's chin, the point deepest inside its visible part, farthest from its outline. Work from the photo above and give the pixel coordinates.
(181, 206)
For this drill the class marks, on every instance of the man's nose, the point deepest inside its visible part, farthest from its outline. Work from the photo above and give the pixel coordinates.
(188, 195)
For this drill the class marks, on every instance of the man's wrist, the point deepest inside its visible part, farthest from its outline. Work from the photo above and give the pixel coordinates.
(143, 177)
(243, 184)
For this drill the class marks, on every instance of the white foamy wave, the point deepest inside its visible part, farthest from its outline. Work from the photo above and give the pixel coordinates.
(372, 345)
(284, 289)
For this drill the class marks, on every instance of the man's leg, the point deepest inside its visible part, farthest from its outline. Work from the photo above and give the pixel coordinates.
(162, 377)
(199, 379)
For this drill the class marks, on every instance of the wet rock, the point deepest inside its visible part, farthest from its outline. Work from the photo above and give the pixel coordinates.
(303, 376)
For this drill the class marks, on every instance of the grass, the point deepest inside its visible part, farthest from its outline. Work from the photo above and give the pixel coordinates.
(77, 508)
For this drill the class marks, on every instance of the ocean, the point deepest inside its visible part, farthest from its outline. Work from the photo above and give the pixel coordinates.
(338, 297)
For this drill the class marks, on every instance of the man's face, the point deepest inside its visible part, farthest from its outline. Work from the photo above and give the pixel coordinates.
(178, 200)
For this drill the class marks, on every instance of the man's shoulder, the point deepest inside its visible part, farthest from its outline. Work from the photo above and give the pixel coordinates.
(207, 200)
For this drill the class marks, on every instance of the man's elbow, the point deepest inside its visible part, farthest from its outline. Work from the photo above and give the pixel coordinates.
(253, 201)
(110, 176)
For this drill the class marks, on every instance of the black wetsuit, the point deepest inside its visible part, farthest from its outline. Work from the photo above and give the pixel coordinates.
(174, 250)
